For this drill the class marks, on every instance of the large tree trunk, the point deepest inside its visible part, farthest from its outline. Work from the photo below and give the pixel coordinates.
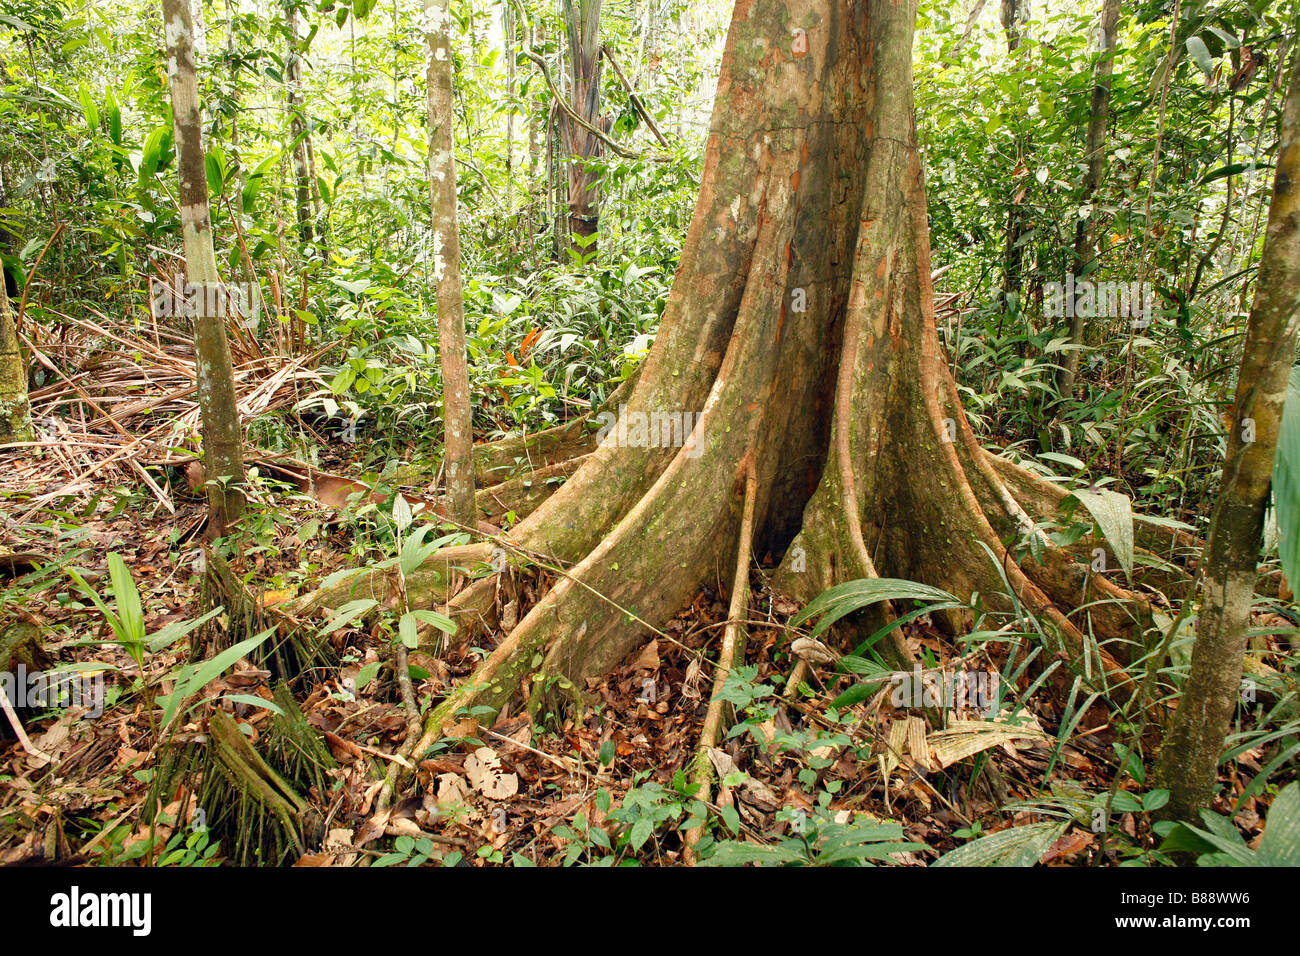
(457, 413)
(1085, 236)
(801, 330)
(1189, 762)
(222, 440)
(15, 411)
(582, 24)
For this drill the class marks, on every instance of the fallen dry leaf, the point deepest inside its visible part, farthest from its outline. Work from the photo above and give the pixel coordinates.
(483, 767)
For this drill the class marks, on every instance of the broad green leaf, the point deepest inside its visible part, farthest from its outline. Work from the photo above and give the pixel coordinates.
(844, 599)
(441, 621)
(254, 701)
(1201, 54)
(1113, 513)
(738, 854)
(88, 108)
(1286, 482)
(367, 674)
(408, 630)
(1280, 844)
(130, 612)
(166, 636)
(1018, 846)
(402, 516)
(348, 612)
(194, 677)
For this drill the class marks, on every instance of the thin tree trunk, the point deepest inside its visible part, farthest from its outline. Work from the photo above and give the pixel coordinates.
(1014, 14)
(509, 24)
(582, 24)
(953, 56)
(457, 415)
(15, 410)
(1189, 762)
(297, 124)
(222, 440)
(539, 141)
(1085, 236)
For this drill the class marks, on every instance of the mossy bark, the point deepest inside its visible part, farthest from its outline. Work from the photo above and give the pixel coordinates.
(1188, 764)
(15, 409)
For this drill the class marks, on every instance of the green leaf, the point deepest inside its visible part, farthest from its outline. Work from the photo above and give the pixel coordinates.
(1229, 40)
(88, 108)
(1113, 513)
(738, 854)
(1155, 800)
(151, 153)
(1201, 54)
(402, 515)
(408, 630)
(114, 119)
(194, 677)
(641, 831)
(1232, 169)
(1018, 846)
(1286, 482)
(855, 695)
(414, 551)
(347, 613)
(367, 674)
(254, 701)
(844, 599)
(1280, 844)
(441, 621)
(129, 610)
(95, 599)
(169, 635)
(216, 173)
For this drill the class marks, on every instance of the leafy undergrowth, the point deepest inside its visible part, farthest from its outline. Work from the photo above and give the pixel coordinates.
(836, 769)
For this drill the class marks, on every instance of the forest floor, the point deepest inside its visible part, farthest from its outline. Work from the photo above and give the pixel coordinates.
(523, 792)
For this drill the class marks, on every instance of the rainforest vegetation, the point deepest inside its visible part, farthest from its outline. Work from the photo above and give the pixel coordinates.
(649, 433)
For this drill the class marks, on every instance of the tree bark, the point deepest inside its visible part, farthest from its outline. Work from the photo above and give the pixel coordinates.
(15, 410)
(1014, 14)
(1085, 236)
(508, 25)
(457, 412)
(582, 24)
(1188, 764)
(222, 437)
(297, 124)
